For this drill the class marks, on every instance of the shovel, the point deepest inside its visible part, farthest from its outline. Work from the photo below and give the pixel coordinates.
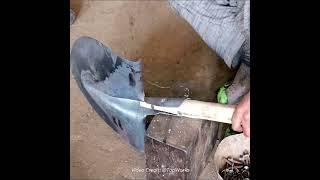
(114, 87)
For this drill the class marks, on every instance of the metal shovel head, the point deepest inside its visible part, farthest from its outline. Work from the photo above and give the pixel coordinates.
(113, 86)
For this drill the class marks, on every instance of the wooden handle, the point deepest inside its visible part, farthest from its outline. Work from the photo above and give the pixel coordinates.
(198, 110)
(205, 110)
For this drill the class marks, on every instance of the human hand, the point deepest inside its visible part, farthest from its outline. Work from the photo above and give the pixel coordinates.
(241, 116)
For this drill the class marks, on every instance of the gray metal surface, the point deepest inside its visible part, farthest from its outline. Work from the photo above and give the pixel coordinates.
(106, 79)
(114, 87)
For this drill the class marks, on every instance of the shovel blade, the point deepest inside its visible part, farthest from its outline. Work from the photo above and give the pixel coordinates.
(113, 86)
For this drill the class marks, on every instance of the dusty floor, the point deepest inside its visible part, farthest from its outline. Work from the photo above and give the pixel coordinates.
(176, 63)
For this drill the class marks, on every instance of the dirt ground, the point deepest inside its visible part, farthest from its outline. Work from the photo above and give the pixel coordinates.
(176, 63)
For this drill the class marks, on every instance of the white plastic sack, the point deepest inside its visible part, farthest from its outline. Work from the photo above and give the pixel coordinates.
(231, 146)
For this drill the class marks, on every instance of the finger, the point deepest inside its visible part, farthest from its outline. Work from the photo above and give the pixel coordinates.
(236, 121)
(246, 124)
(247, 115)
